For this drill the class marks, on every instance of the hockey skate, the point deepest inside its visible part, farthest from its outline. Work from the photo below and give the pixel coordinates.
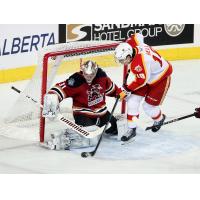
(157, 125)
(129, 134)
(111, 131)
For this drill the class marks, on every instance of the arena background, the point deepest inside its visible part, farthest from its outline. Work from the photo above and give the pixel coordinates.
(19, 44)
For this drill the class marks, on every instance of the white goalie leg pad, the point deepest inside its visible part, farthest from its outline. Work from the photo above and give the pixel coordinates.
(70, 139)
(150, 110)
(78, 141)
(59, 141)
(51, 106)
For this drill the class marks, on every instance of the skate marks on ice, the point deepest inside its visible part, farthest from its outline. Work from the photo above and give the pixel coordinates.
(145, 146)
(12, 144)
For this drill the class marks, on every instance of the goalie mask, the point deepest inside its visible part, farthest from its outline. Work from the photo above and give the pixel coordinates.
(89, 69)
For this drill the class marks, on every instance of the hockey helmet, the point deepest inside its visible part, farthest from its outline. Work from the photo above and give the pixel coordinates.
(122, 51)
(89, 69)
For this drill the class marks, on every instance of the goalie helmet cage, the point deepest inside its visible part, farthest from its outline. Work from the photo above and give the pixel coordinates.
(46, 72)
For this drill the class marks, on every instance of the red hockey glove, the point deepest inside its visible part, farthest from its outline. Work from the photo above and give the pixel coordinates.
(197, 112)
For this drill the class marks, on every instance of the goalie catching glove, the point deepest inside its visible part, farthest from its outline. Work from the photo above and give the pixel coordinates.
(51, 106)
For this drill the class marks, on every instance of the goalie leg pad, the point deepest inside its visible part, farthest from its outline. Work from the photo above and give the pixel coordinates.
(59, 141)
(78, 141)
(69, 139)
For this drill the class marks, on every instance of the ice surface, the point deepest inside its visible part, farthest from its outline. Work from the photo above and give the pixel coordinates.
(175, 149)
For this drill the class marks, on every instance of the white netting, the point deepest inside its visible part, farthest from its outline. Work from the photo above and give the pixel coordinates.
(25, 114)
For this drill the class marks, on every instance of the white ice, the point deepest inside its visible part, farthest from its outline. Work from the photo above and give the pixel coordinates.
(174, 149)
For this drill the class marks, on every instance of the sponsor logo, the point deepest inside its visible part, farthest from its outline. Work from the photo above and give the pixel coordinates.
(154, 34)
(174, 30)
(115, 32)
(94, 95)
(138, 68)
(26, 44)
(78, 32)
(120, 32)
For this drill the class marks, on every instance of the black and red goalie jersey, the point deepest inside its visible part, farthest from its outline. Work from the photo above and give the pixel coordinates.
(88, 99)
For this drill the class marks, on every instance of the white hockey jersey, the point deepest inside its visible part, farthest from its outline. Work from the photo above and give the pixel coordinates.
(147, 66)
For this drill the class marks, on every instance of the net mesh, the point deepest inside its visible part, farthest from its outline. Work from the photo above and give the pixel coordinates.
(63, 59)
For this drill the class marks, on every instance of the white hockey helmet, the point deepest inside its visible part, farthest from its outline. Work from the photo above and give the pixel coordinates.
(89, 69)
(122, 51)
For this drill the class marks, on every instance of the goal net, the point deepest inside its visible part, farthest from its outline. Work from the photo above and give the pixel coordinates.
(55, 64)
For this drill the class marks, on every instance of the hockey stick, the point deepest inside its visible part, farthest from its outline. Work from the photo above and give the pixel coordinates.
(171, 121)
(92, 153)
(68, 122)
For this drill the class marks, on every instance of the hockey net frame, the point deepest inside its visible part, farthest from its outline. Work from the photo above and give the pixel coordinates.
(67, 51)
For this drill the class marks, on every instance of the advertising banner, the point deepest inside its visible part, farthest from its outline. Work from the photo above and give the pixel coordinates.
(19, 43)
(155, 34)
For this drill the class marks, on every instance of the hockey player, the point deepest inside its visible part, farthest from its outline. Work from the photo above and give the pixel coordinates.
(87, 89)
(148, 79)
(197, 112)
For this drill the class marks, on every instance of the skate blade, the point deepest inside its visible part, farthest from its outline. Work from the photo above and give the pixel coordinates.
(128, 142)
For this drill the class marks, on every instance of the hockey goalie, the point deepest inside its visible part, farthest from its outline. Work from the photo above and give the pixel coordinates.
(88, 89)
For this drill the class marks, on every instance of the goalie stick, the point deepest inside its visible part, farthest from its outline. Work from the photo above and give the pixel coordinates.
(171, 121)
(92, 153)
(67, 122)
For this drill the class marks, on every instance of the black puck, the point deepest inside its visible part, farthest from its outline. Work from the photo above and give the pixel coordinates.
(84, 154)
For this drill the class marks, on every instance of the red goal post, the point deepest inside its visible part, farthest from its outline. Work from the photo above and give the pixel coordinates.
(27, 114)
(79, 51)
(98, 47)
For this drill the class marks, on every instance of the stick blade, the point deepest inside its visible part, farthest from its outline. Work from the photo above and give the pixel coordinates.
(148, 128)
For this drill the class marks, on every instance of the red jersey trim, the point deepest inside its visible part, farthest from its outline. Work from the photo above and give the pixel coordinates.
(111, 89)
(89, 112)
(165, 73)
(58, 91)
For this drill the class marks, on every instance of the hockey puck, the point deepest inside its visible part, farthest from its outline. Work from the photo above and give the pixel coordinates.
(84, 154)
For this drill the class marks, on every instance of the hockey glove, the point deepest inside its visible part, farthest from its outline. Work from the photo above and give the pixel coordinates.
(51, 106)
(123, 94)
(197, 112)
